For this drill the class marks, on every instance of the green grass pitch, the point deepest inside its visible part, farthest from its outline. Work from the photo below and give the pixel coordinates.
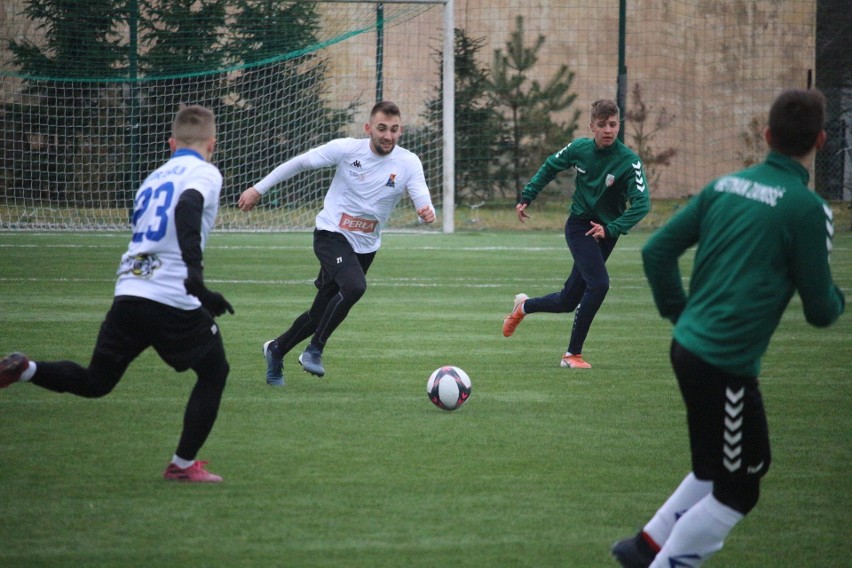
(543, 467)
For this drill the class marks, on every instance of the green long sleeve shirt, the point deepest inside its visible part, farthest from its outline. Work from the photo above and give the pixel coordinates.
(762, 235)
(607, 180)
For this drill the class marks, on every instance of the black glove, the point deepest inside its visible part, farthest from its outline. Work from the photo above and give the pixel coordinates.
(213, 302)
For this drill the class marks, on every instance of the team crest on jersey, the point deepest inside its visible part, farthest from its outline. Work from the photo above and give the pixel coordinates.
(391, 181)
(140, 265)
(610, 179)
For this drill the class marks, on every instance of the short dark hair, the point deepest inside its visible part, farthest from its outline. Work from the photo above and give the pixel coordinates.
(795, 120)
(193, 125)
(604, 108)
(385, 107)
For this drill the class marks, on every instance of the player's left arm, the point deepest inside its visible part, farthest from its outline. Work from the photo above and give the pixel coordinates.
(639, 196)
(188, 218)
(419, 192)
(822, 299)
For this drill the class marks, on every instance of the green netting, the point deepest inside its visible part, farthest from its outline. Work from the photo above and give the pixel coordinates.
(88, 89)
(243, 34)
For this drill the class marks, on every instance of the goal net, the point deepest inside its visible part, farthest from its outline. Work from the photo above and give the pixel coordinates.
(88, 90)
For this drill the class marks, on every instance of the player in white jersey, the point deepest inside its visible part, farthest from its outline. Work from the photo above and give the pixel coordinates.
(372, 175)
(160, 297)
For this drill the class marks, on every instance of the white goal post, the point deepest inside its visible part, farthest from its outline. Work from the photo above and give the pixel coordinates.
(449, 96)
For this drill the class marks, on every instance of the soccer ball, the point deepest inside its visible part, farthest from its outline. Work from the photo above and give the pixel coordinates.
(448, 387)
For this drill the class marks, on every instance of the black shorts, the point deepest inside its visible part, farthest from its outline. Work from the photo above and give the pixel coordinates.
(334, 252)
(180, 337)
(728, 433)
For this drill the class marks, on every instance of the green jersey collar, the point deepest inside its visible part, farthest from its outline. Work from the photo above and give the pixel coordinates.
(783, 162)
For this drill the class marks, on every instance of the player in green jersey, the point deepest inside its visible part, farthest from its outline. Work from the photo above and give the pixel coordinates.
(762, 236)
(609, 176)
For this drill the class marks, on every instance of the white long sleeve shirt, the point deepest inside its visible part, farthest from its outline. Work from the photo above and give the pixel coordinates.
(365, 189)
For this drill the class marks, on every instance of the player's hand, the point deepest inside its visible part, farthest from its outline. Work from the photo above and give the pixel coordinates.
(521, 210)
(597, 231)
(213, 302)
(426, 213)
(248, 199)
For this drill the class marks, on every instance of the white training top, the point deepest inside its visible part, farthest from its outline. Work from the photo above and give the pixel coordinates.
(153, 267)
(365, 188)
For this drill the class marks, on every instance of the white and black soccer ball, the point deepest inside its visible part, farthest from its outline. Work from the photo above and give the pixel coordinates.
(448, 387)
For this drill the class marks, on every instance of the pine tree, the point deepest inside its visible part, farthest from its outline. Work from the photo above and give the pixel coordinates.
(528, 109)
(478, 127)
(59, 111)
(180, 42)
(277, 105)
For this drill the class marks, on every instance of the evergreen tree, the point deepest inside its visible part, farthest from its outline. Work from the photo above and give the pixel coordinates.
(528, 109)
(182, 37)
(59, 110)
(179, 45)
(277, 105)
(478, 126)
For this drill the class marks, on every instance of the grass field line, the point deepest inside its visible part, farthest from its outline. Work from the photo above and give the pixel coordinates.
(308, 247)
(525, 249)
(161, 372)
(412, 282)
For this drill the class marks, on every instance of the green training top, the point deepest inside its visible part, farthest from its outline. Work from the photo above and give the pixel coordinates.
(607, 179)
(762, 235)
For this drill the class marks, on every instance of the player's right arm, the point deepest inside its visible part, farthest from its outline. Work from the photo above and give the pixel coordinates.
(661, 255)
(321, 156)
(558, 162)
(251, 197)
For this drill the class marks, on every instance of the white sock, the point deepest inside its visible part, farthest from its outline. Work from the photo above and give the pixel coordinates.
(690, 491)
(698, 534)
(182, 463)
(28, 372)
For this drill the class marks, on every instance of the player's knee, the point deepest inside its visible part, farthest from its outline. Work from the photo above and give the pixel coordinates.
(212, 370)
(353, 289)
(100, 381)
(739, 494)
(217, 376)
(599, 287)
(97, 390)
(596, 292)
